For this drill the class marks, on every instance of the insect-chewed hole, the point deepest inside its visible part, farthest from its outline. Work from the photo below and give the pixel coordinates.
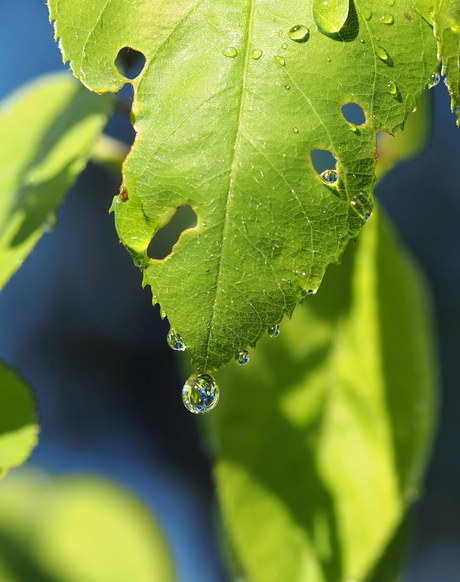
(164, 240)
(353, 113)
(323, 160)
(130, 62)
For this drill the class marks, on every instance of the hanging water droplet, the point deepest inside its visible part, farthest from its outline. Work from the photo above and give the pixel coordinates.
(391, 88)
(299, 33)
(287, 87)
(284, 46)
(387, 19)
(230, 52)
(366, 12)
(434, 80)
(243, 357)
(175, 341)
(256, 54)
(330, 177)
(200, 393)
(367, 216)
(330, 15)
(381, 53)
(279, 60)
(274, 331)
(295, 130)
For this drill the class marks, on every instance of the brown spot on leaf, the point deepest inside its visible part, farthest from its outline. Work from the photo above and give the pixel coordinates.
(408, 17)
(123, 194)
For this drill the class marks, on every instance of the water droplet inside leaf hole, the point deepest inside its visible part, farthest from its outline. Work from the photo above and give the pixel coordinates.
(164, 240)
(354, 113)
(200, 393)
(130, 62)
(323, 160)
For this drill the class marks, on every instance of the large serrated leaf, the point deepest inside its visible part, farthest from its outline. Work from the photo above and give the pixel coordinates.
(227, 111)
(18, 420)
(47, 129)
(447, 30)
(322, 440)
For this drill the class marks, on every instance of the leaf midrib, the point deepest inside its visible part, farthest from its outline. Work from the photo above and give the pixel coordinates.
(232, 170)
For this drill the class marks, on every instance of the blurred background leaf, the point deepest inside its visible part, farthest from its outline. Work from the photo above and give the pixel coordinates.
(18, 420)
(47, 130)
(322, 439)
(78, 529)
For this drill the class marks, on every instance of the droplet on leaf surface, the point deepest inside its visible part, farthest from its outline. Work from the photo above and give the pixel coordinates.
(230, 52)
(256, 54)
(381, 53)
(330, 15)
(175, 342)
(200, 393)
(387, 19)
(299, 33)
(274, 331)
(366, 12)
(243, 357)
(279, 60)
(391, 88)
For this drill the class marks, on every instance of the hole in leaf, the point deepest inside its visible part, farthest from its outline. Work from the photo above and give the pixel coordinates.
(130, 62)
(353, 113)
(323, 160)
(164, 240)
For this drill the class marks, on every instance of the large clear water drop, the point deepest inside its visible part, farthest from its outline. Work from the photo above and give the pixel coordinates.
(280, 60)
(330, 177)
(366, 12)
(256, 54)
(175, 342)
(243, 357)
(330, 15)
(387, 19)
(200, 393)
(392, 89)
(299, 33)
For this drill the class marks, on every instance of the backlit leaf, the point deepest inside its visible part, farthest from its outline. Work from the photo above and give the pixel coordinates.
(233, 99)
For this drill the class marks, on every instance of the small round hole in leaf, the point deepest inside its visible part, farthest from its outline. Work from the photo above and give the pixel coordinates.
(323, 160)
(130, 62)
(353, 113)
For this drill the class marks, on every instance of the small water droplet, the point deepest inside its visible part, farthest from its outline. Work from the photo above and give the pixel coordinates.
(274, 331)
(381, 53)
(200, 393)
(434, 80)
(366, 12)
(284, 46)
(230, 52)
(330, 16)
(391, 88)
(243, 357)
(280, 33)
(391, 2)
(328, 59)
(361, 40)
(330, 177)
(256, 54)
(387, 19)
(354, 128)
(287, 87)
(175, 341)
(299, 33)
(279, 60)
(295, 130)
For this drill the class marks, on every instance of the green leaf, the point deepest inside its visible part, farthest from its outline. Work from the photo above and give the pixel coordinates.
(447, 31)
(322, 439)
(228, 108)
(18, 420)
(47, 130)
(78, 529)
